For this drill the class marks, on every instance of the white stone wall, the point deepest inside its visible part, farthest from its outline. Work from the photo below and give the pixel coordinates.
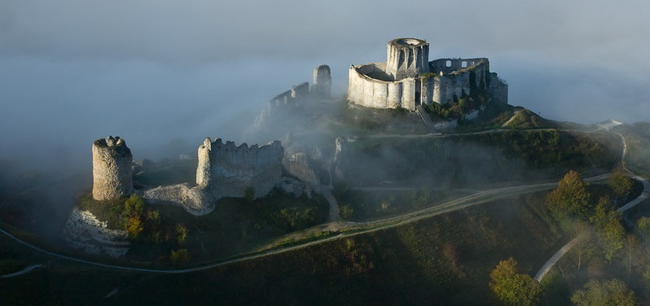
(236, 168)
(369, 92)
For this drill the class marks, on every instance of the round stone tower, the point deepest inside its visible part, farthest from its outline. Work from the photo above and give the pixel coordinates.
(112, 174)
(407, 58)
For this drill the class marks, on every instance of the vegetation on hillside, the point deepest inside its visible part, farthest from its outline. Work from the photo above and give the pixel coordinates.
(638, 141)
(445, 259)
(512, 287)
(466, 160)
(588, 212)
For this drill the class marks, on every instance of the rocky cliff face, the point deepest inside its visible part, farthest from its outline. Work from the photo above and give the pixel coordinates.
(112, 174)
(83, 231)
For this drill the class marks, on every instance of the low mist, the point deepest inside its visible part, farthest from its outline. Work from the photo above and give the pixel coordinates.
(164, 75)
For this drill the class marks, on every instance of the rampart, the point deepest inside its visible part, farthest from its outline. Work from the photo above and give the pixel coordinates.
(370, 86)
(112, 174)
(291, 97)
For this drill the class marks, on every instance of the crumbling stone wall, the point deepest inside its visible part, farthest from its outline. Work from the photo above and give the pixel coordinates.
(112, 174)
(234, 169)
(225, 170)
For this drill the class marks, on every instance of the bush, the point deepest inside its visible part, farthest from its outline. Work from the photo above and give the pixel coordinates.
(179, 257)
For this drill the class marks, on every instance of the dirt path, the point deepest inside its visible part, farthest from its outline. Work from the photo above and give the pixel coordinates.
(347, 229)
(23, 271)
(567, 247)
(505, 124)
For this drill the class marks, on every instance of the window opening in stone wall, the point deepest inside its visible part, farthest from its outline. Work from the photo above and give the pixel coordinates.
(464, 64)
(448, 64)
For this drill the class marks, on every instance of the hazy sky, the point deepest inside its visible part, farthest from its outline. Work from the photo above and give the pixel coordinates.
(151, 71)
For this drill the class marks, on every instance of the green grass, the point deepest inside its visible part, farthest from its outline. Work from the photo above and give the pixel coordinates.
(445, 259)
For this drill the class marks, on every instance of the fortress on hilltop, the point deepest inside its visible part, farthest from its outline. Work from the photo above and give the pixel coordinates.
(408, 79)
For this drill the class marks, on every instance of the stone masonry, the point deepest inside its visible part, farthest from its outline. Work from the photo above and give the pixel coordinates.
(112, 174)
(407, 79)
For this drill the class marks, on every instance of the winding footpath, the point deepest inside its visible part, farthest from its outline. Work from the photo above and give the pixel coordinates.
(567, 247)
(346, 229)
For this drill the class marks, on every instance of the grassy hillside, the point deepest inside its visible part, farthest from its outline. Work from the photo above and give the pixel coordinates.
(442, 260)
(465, 160)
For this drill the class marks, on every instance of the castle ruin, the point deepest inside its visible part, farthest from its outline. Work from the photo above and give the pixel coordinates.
(407, 79)
(230, 171)
(224, 170)
(112, 174)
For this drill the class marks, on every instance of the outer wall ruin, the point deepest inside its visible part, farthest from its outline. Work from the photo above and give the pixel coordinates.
(405, 81)
(229, 170)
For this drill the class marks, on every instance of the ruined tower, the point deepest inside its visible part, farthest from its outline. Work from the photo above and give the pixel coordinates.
(112, 174)
(322, 82)
(203, 177)
(407, 58)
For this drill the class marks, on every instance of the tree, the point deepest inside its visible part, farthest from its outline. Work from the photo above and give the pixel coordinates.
(134, 206)
(512, 287)
(583, 232)
(631, 247)
(609, 292)
(181, 233)
(620, 183)
(134, 227)
(570, 197)
(611, 236)
(179, 257)
(602, 211)
(643, 226)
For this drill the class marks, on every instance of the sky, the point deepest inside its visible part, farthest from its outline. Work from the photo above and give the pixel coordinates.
(160, 72)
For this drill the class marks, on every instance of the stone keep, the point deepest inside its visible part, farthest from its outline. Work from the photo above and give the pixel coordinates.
(112, 174)
(407, 79)
(407, 58)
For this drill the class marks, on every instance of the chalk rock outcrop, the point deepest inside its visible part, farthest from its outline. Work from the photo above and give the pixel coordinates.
(83, 231)
(112, 172)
